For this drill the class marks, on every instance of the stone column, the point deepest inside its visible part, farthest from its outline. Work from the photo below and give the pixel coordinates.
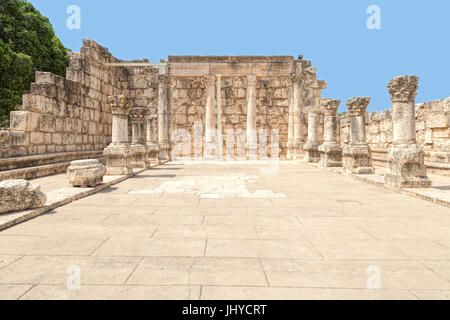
(210, 147)
(356, 155)
(406, 168)
(315, 110)
(152, 140)
(118, 153)
(163, 124)
(139, 149)
(290, 143)
(298, 139)
(312, 146)
(330, 150)
(252, 140)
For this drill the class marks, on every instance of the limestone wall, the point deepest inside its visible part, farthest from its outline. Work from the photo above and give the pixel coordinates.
(66, 114)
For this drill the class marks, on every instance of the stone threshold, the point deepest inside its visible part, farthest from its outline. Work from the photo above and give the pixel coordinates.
(61, 197)
(438, 194)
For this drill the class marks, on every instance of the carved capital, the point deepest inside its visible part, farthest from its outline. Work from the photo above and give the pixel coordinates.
(251, 81)
(119, 105)
(164, 80)
(330, 106)
(210, 81)
(296, 79)
(357, 106)
(403, 89)
(138, 114)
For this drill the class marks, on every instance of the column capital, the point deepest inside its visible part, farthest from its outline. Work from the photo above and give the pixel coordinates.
(251, 80)
(296, 79)
(330, 106)
(319, 84)
(164, 80)
(403, 88)
(210, 80)
(119, 105)
(357, 106)
(138, 114)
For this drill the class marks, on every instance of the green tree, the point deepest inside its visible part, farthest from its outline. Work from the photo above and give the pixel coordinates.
(27, 44)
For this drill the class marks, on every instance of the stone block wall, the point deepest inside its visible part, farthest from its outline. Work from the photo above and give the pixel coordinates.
(141, 89)
(273, 108)
(188, 101)
(187, 104)
(66, 114)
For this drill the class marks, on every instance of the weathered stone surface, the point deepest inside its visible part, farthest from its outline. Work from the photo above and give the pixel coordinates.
(18, 195)
(406, 169)
(85, 173)
(356, 155)
(406, 163)
(330, 150)
(118, 159)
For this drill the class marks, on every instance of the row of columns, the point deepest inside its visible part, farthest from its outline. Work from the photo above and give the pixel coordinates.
(121, 156)
(212, 146)
(406, 168)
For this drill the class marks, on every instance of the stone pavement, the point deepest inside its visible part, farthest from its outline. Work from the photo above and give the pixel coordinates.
(232, 231)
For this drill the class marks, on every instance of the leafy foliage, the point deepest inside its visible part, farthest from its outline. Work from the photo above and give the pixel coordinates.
(27, 44)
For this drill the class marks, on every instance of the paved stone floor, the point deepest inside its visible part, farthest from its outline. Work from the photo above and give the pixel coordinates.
(232, 231)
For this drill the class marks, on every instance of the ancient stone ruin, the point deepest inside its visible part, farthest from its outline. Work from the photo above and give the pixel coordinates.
(135, 114)
(20, 195)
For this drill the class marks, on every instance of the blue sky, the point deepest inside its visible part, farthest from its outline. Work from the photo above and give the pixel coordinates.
(414, 37)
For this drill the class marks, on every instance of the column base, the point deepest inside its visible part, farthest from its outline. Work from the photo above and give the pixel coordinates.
(290, 151)
(251, 152)
(312, 154)
(164, 152)
(139, 156)
(330, 155)
(153, 154)
(357, 159)
(210, 151)
(298, 153)
(406, 168)
(118, 160)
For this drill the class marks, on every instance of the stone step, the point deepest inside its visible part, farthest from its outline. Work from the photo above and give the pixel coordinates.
(38, 171)
(42, 159)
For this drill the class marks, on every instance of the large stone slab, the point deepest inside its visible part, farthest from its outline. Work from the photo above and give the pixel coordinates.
(86, 173)
(16, 195)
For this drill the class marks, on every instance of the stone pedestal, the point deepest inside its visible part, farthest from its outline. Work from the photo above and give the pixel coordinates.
(152, 140)
(356, 156)
(164, 152)
(406, 167)
(118, 153)
(118, 160)
(139, 149)
(330, 150)
(16, 195)
(312, 146)
(85, 173)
